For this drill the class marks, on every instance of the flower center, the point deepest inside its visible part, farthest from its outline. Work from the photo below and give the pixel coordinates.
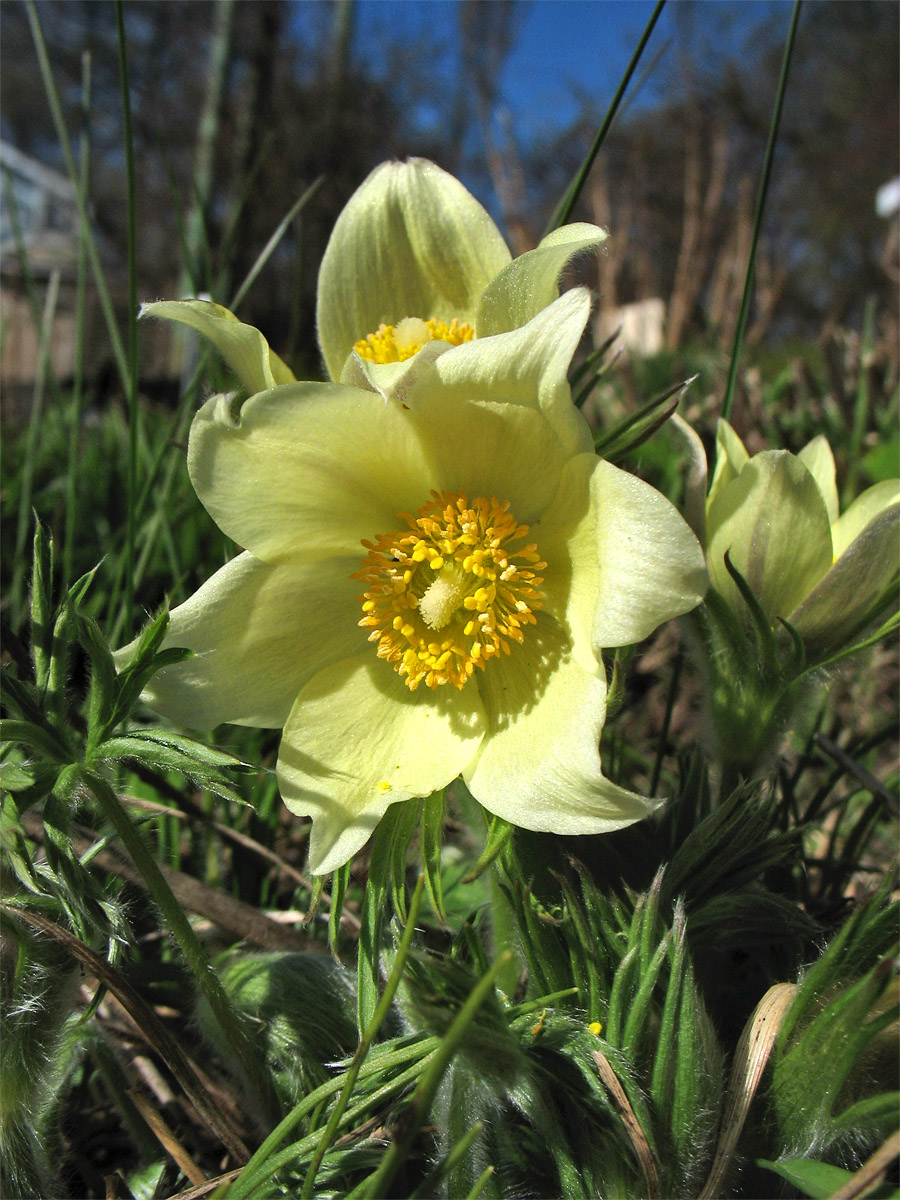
(396, 343)
(450, 591)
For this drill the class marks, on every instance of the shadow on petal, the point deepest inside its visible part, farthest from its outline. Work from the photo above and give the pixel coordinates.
(514, 684)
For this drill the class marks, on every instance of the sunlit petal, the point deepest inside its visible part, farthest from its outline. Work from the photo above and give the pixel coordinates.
(357, 741)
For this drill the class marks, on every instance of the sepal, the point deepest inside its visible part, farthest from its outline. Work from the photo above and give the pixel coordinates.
(243, 347)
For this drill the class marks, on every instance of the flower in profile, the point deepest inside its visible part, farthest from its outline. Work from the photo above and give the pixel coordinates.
(776, 514)
(414, 259)
(427, 586)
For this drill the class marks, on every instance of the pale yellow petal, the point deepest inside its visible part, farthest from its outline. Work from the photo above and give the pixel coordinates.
(394, 381)
(849, 596)
(864, 509)
(496, 414)
(816, 456)
(242, 346)
(651, 564)
(566, 537)
(258, 632)
(358, 740)
(730, 458)
(308, 469)
(539, 765)
(773, 523)
(531, 281)
(411, 242)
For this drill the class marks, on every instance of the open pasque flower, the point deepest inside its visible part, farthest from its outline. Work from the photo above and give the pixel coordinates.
(776, 514)
(426, 587)
(414, 258)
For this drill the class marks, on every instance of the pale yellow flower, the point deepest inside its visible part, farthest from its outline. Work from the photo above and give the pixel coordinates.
(427, 586)
(776, 514)
(414, 259)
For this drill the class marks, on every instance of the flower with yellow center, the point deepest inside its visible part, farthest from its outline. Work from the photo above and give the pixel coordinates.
(776, 514)
(414, 260)
(427, 586)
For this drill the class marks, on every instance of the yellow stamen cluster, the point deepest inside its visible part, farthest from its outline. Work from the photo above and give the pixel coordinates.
(451, 591)
(396, 343)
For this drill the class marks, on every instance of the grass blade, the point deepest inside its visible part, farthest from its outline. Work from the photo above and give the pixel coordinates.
(131, 381)
(62, 134)
(80, 309)
(31, 445)
(273, 241)
(563, 210)
(757, 216)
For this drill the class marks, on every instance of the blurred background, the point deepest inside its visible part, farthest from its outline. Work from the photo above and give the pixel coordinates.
(239, 107)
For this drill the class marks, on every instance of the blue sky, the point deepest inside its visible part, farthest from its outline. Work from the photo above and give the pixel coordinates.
(562, 47)
(569, 44)
(560, 43)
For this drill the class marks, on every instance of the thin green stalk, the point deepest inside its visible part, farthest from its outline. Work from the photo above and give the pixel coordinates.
(758, 214)
(250, 1185)
(861, 407)
(233, 227)
(131, 382)
(417, 1052)
(80, 304)
(504, 932)
(480, 1183)
(207, 135)
(563, 210)
(273, 241)
(28, 279)
(446, 1165)
(378, 1183)
(381, 1011)
(190, 283)
(30, 457)
(248, 1055)
(62, 135)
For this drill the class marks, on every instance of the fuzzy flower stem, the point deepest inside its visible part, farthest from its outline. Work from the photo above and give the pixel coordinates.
(379, 1182)
(387, 998)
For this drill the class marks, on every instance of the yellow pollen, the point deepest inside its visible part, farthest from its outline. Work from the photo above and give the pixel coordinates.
(396, 343)
(450, 591)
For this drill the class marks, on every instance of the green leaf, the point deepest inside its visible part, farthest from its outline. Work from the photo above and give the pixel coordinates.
(13, 845)
(139, 742)
(101, 697)
(393, 828)
(27, 733)
(432, 828)
(633, 431)
(407, 820)
(147, 659)
(145, 1181)
(79, 588)
(171, 751)
(816, 1179)
(878, 1112)
(21, 698)
(499, 833)
(820, 1091)
(41, 605)
(339, 882)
